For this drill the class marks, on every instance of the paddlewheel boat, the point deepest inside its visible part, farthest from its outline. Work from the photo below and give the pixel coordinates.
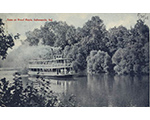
(56, 67)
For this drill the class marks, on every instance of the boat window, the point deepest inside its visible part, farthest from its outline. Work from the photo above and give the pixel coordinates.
(46, 70)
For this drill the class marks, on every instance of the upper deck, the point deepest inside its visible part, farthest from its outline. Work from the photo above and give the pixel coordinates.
(49, 60)
(57, 62)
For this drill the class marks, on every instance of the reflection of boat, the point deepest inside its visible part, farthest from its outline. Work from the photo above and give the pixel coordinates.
(56, 67)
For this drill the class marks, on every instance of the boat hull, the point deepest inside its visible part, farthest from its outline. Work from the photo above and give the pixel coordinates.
(46, 74)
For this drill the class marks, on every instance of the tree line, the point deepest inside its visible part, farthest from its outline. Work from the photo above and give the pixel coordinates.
(93, 48)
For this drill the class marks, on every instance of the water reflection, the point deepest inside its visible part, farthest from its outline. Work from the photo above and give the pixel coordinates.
(105, 90)
(102, 90)
(119, 90)
(108, 90)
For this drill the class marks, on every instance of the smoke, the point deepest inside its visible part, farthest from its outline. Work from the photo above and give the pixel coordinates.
(20, 57)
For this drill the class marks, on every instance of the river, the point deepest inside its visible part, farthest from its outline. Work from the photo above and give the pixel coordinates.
(101, 90)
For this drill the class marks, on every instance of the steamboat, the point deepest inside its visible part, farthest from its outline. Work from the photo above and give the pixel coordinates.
(56, 67)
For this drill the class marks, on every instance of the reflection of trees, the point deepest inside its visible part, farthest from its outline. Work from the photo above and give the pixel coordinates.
(130, 91)
(118, 90)
(101, 86)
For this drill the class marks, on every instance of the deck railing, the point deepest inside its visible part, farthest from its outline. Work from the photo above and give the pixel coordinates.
(50, 65)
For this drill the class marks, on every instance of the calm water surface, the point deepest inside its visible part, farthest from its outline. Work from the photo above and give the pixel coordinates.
(103, 90)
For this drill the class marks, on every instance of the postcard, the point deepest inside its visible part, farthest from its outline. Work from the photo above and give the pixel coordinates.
(74, 59)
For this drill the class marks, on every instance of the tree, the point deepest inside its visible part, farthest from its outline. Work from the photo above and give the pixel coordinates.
(89, 37)
(32, 95)
(133, 59)
(142, 16)
(116, 38)
(48, 36)
(66, 51)
(99, 62)
(60, 32)
(93, 33)
(6, 41)
(71, 35)
(32, 38)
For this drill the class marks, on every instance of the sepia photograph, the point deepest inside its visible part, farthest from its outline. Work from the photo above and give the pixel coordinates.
(74, 59)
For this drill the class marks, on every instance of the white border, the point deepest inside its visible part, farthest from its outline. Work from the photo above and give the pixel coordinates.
(84, 113)
(77, 6)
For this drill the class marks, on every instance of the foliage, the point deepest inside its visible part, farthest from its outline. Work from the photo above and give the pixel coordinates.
(93, 33)
(36, 94)
(93, 36)
(116, 38)
(98, 62)
(71, 35)
(32, 38)
(57, 34)
(89, 37)
(6, 41)
(133, 59)
(128, 48)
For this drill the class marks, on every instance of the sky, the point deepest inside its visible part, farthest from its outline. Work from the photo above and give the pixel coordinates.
(75, 19)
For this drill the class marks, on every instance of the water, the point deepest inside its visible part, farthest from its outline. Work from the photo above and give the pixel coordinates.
(103, 90)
